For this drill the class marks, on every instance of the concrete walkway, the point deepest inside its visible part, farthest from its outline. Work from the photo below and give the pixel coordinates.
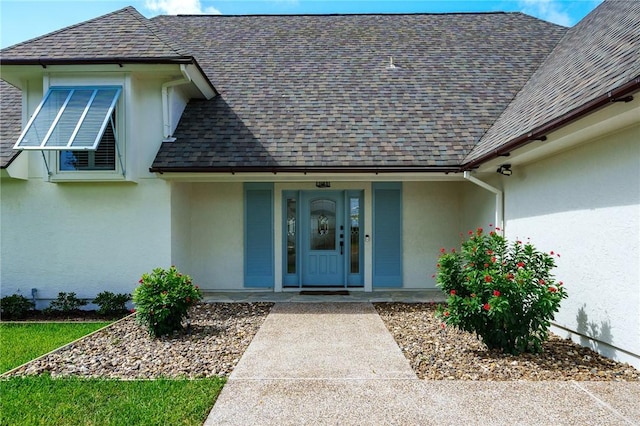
(335, 363)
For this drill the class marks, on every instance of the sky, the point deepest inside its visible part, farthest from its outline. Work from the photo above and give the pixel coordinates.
(21, 20)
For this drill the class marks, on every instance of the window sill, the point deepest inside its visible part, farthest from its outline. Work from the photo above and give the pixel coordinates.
(63, 177)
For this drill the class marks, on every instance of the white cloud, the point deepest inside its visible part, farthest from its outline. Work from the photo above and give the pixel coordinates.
(549, 10)
(175, 7)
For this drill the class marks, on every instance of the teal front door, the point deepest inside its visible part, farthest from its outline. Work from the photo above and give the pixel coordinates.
(322, 239)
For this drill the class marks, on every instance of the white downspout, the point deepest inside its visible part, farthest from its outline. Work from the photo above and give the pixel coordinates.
(499, 199)
(166, 110)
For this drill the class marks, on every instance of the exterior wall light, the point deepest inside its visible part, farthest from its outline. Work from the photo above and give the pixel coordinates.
(505, 170)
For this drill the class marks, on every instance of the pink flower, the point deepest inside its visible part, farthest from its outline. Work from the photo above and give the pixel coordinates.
(520, 264)
(541, 281)
(489, 252)
(132, 310)
(497, 229)
(453, 292)
(487, 278)
(140, 281)
(493, 260)
(552, 289)
(551, 252)
(442, 325)
(560, 283)
(510, 276)
(446, 314)
(486, 265)
(496, 293)
(442, 250)
(486, 306)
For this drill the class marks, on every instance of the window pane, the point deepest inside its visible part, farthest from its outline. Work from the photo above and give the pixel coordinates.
(323, 225)
(355, 234)
(103, 158)
(291, 236)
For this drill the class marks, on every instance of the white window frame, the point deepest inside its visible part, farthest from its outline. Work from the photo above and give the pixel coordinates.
(54, 172)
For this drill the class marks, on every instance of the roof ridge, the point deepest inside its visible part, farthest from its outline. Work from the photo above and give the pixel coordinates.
(153, 29)
(205, 15)
(69, 27)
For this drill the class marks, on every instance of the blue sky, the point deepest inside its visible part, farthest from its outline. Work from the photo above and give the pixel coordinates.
(21, 20)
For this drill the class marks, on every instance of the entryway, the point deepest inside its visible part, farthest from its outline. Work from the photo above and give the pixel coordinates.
(322, 239)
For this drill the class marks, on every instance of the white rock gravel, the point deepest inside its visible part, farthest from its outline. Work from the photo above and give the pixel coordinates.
(451, 354)
(220, 333)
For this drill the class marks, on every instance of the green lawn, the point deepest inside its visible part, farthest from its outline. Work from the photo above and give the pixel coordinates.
(20, 343)
(41, 400)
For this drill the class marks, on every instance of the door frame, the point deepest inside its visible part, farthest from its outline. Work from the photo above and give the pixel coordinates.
(292, 273)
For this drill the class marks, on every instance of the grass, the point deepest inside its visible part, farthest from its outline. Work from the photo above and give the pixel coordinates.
(41, 400)
(20, 343)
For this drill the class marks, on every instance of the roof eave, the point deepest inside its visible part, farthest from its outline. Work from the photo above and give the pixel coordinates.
(44, 62)
(539, 133)
(178, 60)
(307, 169)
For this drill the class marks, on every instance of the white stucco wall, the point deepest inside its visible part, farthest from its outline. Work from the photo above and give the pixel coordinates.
(82, 238)
(86, 237)
(479, 204)
(181, 226)
(217, 225)
(585, 205)
(432, 219)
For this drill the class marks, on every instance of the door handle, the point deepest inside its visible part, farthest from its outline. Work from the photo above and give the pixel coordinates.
(341, 247)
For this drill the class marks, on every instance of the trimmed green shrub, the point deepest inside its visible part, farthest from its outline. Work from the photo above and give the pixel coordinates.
(66, 302)
(162, 300)
(15, 306)
(504, 293)
(112, 304)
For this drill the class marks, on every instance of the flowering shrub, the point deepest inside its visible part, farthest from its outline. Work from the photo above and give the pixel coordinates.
(504, 293)
(162, 300)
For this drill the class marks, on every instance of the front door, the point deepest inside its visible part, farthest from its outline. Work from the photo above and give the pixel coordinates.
(323, 239)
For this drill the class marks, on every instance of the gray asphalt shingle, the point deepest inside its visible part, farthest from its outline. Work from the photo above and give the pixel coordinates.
(10, 122)
(599, 54)
(308, 91)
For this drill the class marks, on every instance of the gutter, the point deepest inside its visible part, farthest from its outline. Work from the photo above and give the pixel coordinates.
(499, 199)
(305, 170)
(618, 94)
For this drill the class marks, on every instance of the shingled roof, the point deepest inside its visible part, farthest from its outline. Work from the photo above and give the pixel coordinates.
(305, 92)
(598, 56)
(118, 36)
(318, 92)
(10, 122)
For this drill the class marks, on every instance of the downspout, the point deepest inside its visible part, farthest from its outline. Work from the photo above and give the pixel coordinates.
(166, 111)
(499, 199)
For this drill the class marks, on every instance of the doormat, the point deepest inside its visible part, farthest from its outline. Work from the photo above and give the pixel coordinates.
(324, 293)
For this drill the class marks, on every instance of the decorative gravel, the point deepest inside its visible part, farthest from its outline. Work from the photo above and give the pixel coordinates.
(220, 333)
(450, 354)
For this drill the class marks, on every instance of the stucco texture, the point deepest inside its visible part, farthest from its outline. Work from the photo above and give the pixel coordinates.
(585, 205)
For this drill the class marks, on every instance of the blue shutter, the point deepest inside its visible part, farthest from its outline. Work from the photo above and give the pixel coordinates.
(258, 235)
(387, 234)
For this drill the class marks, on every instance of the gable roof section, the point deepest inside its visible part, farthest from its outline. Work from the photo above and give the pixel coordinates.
(598, 56)
(316, 91)
(10, 122)
(123, 35)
